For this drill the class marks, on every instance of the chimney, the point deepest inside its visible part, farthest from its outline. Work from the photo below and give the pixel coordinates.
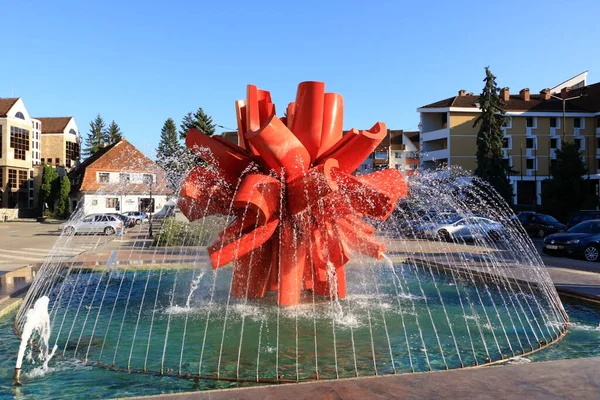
(524, 94)
(564, 93)
(462, 92)
(505, 94)
(545, 94)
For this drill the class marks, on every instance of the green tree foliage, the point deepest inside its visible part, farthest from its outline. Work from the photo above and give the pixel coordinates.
(169, 152)
(96, 138)
(490, 165)
(63, 209)
(113, 133)
(198, 120)
(566, 191)
(47, 194)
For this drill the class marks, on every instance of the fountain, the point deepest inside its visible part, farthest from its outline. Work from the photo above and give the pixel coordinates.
(313, 290)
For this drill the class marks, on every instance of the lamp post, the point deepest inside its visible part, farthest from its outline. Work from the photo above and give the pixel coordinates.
(150, 235)
(564, 106)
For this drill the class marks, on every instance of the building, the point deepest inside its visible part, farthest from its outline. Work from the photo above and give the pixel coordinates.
(20, 151)
(399, 150)
(61, 142)
(118, 178)
(536, 127)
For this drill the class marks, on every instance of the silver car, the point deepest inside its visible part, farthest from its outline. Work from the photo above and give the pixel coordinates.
(93, 224)
(468, 228)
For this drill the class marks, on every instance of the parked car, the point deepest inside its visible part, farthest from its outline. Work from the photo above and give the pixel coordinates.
(468, 228)
(540, 225)
(583, 215)
(94, 223)
(127, 221)
(428, 226)
(138, 216)
(581, 240)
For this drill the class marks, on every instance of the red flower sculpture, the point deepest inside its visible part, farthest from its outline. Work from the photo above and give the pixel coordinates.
(298, 208)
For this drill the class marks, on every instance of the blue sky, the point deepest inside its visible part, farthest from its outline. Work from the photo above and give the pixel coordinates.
(141, 62)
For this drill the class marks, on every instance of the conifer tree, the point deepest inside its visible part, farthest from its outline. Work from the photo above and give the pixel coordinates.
(169, 152)
(490, 164)
(198, 120)
(96, 138)
(63, 209)
(113, 133)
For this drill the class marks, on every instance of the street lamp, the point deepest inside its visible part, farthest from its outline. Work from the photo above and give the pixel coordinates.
(564, 104)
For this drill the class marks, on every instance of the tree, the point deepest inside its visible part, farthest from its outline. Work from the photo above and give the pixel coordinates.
(63, 209)
(113, 133)
(47, 194)
(566, 191)
(490, 164)
(168, 153)
(198, 120)
(96, 138)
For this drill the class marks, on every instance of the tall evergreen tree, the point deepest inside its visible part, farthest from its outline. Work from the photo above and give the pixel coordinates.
(63, 209)
(96, 138)
(48, 189)
(566, 190)
(113, 133)
(169, 151)
(198, 120)
(490, 165)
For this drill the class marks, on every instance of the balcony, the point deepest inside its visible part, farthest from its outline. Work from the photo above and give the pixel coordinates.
(435, 135)
(435, 155)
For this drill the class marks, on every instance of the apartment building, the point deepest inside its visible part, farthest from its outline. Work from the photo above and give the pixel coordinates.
(536, 127)
(60, 142)
(19, 153)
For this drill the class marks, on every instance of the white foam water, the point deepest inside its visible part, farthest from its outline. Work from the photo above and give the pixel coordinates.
(37, 322)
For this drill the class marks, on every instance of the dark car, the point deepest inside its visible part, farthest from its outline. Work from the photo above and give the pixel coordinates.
(582, 240)
(583, 215)
(540, 225)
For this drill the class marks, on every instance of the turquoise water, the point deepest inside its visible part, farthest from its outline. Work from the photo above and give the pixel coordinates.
(69, 379)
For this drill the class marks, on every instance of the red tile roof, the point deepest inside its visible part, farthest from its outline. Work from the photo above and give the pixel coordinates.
(119, 157)
(54, 124)
(6, 105)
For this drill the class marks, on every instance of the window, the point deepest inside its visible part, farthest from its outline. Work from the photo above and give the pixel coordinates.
(505, 143)
(597, 122)
(19, 115)
(57, 161)
(553, 143)
(398, 154)
(506, 163)
(12, 178)
(19, 141)
(49, 161)
(147, 178)
(598, 143)
(68, 163)
(103, 177)
(579, 143)
(23, 179)
(381, 155)
(577, 122)
(553, 164)
(72, 132)
(530, 163)
(530, 143)
(530, 122)
(124, 178)
(94, 202)
(72, 151)
(111, 202)
(553, 122)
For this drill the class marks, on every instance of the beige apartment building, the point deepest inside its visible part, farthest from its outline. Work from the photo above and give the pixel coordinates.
(536, 127)
(61, 143)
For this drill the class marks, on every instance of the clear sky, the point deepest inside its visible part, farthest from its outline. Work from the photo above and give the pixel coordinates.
(141, 62)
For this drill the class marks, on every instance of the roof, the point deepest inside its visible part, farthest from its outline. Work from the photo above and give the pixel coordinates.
(54, 124)
(515, 103)
(5, 105)
(121, 156)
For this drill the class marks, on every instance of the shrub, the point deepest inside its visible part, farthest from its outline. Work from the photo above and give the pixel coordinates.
(182, 233)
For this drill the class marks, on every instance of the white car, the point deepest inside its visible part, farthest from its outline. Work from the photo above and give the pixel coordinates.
(94, 223)
(468, 228)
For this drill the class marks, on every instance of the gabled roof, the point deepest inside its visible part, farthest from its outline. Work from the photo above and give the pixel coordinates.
(6, 105)
(121, 156)
(54, 124)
